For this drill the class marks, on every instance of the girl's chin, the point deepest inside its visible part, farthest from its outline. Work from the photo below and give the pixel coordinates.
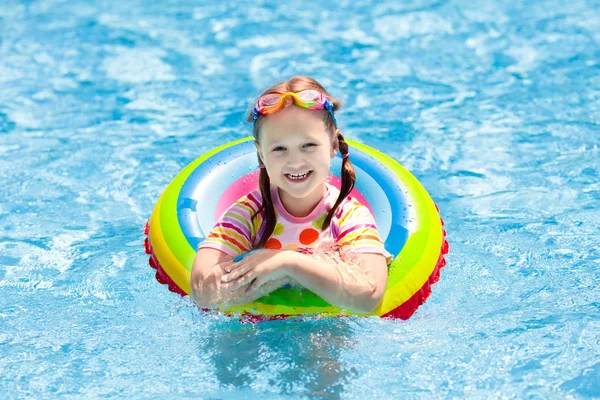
(300, 190)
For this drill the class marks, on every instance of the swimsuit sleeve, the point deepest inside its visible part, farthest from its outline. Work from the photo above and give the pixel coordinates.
(234, 232)
(358, 231)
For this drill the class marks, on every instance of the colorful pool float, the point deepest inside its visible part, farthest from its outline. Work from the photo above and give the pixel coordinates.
(407, 219)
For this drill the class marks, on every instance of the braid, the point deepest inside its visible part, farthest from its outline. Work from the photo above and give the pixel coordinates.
(348, 178)
(267, 205)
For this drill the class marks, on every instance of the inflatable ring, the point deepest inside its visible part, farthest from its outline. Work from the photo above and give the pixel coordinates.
(407, 219)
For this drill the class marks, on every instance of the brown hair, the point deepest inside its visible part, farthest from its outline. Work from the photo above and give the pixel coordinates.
(297, 84)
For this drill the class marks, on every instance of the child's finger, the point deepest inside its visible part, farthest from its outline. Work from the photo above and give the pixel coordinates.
(233, 265)
(257, 290)
(227, 265)
(260, 284)
(235, 280)
(242, 281)
(236, 273)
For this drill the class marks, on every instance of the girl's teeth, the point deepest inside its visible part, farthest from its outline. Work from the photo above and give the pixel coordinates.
(301, 176)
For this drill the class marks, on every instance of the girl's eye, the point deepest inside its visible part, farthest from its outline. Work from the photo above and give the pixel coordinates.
(309, 145)
(279, 148)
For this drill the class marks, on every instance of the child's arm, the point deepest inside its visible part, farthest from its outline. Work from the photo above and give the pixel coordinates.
(357, 285)
(207, 290)
(205, 281)
(232, 233)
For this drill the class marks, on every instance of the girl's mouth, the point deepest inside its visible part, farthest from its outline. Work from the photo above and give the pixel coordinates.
(297, 178)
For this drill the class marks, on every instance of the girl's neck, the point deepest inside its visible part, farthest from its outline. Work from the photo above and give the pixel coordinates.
(300, 208)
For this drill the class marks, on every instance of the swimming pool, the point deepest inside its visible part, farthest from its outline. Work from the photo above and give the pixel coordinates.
(494, 107)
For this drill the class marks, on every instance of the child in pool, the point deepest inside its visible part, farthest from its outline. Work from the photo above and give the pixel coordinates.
(295, 212)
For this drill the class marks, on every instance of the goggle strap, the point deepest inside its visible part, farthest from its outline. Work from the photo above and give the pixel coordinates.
(329, 105)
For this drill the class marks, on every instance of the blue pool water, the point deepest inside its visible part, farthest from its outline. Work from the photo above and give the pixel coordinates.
(494, 106)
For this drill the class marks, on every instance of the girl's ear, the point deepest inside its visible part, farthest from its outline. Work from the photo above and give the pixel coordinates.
(259, 151)
(335, 145)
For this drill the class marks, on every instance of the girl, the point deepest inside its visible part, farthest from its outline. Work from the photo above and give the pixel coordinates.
(295, 212)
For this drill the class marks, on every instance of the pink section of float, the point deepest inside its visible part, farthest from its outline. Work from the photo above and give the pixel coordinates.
(249, 182)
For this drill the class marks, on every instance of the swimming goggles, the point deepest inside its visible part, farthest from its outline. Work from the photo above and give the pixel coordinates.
(273, 102)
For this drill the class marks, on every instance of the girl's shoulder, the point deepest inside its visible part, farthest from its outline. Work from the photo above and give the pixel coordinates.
(252, 199)
(350, 205)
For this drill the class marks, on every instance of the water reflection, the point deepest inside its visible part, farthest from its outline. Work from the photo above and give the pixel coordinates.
(292, 357)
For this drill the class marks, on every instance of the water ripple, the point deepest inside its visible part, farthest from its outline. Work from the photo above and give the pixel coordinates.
(493, 106)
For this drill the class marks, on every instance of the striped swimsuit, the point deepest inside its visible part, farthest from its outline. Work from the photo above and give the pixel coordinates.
(352, 228)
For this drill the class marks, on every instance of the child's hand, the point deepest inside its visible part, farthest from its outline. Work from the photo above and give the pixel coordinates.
(257, 269)
(267, 288)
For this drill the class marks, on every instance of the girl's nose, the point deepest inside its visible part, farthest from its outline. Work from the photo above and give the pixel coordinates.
(295, 159)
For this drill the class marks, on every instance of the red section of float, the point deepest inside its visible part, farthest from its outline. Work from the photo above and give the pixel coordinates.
(161, 275)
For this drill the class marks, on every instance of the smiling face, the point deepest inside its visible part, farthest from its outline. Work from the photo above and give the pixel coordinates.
(297, 149)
